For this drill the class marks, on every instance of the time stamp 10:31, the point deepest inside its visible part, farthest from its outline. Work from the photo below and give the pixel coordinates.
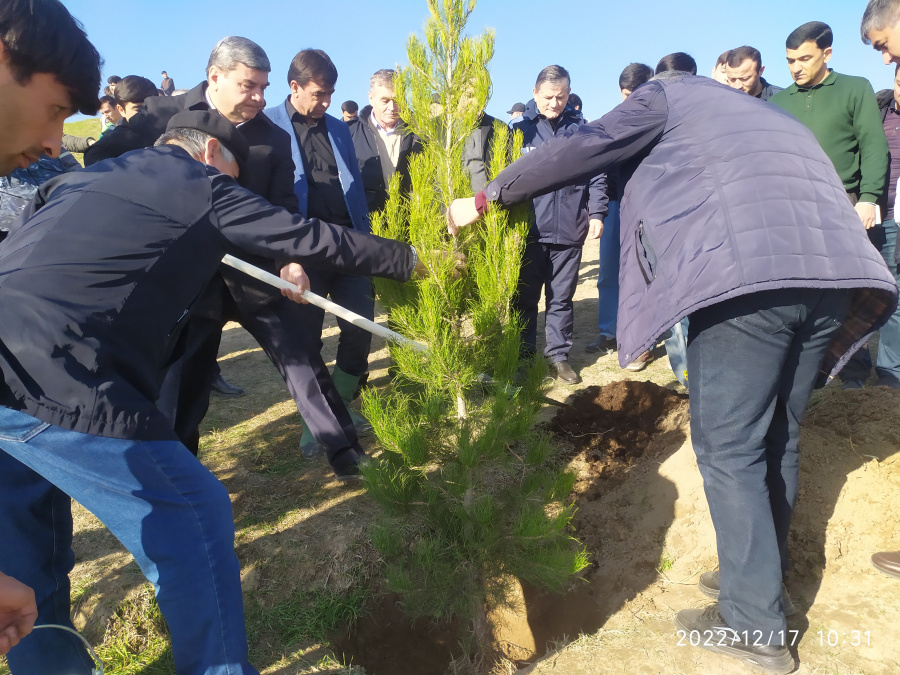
(852, 638)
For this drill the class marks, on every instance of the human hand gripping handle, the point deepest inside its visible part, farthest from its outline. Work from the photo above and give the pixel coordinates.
(293, 273)
(18, 612)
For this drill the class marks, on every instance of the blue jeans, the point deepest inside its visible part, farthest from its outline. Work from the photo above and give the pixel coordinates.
(752, 364)
(169, 511)
(608, 273)
(887, 364)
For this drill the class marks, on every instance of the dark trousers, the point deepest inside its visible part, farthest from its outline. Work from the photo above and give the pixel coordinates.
(352, 292)
(887, 366)
(553, 267)
(752, 364)
(282, 329)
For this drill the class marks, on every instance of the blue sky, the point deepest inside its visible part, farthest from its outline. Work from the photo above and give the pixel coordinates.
(594, 40)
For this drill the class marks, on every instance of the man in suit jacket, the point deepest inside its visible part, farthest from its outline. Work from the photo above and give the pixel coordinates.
(328, 186)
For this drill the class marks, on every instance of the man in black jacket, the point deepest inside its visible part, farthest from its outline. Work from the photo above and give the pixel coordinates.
(94, 287)
(382, 142)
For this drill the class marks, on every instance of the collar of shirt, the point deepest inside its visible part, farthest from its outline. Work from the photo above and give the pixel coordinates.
(383, 130)
(829, 80)
(212, 107)
(296, 116)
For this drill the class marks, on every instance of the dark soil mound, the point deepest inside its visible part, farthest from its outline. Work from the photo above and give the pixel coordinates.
(615, 421)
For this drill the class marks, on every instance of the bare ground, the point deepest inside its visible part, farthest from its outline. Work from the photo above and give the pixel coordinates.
(643, 518)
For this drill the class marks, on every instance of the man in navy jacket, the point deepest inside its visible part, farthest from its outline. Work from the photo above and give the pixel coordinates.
(95, 288)
(559, 227)
(774, 268)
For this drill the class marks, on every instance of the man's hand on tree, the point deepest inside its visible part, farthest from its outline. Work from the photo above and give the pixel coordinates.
(866, 212)
(459, 264)
(595, 228)
(18, 612)
(294, 273)
(462, 212)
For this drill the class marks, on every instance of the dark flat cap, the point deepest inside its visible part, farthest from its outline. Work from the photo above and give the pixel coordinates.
(349, 106)
(517, 107)
(214, 124)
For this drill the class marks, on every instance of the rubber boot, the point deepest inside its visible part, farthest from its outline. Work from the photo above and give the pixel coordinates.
(309, 446)
(346, 385)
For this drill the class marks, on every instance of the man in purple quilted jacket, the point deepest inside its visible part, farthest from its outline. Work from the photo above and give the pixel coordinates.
(752, 236)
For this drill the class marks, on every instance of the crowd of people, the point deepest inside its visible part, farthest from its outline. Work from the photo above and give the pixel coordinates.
(764, 277)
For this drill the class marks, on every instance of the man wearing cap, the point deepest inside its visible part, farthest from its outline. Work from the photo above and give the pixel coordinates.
(237, 77)
(517, 110)
(110, 262)
(349, 110)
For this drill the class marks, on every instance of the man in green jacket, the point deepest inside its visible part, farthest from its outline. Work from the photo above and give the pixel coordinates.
(842, 113)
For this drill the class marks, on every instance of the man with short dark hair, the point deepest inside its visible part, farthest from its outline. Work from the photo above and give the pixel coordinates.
(561, 222)
(48, 71)
(110, 114)
(349, 110)
(706, 233)
(111, 259)
(382, 142)
(744, 69)
(841, 111)
(167, 84)
(329, 187)
(131, 93)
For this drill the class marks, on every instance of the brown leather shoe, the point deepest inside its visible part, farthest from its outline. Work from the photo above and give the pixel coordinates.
(887, 562)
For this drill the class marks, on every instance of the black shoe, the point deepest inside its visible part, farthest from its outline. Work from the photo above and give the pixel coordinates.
(351, 472)
(223, 388)
(564, 372)
(709, 586)
(604, 345)
(888, 381)
(853, 383)
(708, 629)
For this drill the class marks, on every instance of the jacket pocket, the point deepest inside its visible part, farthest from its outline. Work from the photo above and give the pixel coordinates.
(646, 255)
(18, 426)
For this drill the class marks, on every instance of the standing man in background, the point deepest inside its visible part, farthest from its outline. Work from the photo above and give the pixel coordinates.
(329, 187)
(744, 69)
(880, 27)
(560, 222)
(382, 142)
(842, 113)
(167, 84)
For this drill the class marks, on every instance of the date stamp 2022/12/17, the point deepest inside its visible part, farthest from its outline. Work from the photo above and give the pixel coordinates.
(724, 638)
(789, 638)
